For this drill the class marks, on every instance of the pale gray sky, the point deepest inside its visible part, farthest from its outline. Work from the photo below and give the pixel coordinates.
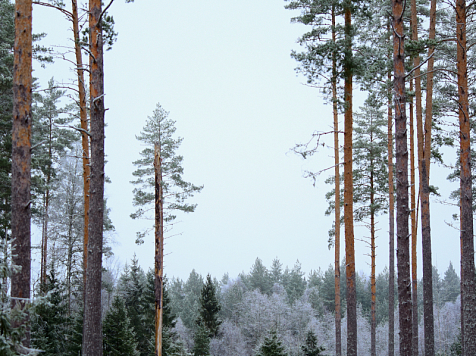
(223, 70)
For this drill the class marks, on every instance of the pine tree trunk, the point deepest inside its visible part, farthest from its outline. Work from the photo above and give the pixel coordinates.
(373, 321)
(159, 250)
(428, 319)
(348, 191)
(468, 299)
(21, 158)
(391, 228)
(413, 217)
(92, 330)
(337, 195)
(401, 155)
(84, 136)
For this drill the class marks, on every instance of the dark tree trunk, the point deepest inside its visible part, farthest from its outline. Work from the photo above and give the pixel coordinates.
(348, 191)
(159, 250)
(403, 211)
(468, 299)
(92, 328)
(413, 217)
(391, 228)
(337, 195)
(373, 321)
(21, 157)
(84, 136)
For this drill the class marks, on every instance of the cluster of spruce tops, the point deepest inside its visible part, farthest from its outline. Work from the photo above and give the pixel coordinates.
(264, 312)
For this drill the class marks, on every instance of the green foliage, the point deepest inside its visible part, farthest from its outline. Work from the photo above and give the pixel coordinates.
(311, 348)
(201, 342)
(451, 285)
(160, 129)
(118, 334)
(260, 278)
(294, 282)
(50, 324)
(272, 346)
(209, 308)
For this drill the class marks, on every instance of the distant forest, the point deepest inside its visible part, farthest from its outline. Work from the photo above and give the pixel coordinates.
(246, 311)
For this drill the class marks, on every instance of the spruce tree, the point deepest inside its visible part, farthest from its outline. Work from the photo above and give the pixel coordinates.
(118, 334)
(272, 346)
(311, 348)
(210, 307)
(50, 325)
(201, 342)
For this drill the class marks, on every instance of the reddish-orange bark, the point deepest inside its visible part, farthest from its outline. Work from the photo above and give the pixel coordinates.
(159, 250)
(21, 157)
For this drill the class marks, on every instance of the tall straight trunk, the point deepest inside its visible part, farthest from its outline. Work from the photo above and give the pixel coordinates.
(44, 244)
(391, 223)
(84, 127)
(429, 87)
(159, 249)
(92, 328)
(401, 155)
(21, 158)
(413, 218)
(467, 256)
(428, 319)
(349, 191)
(373, 320)
(337, 195)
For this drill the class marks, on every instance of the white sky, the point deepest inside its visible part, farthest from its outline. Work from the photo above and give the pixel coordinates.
(223, 70)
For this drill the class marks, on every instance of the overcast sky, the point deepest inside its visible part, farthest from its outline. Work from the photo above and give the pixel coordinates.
(223, 70)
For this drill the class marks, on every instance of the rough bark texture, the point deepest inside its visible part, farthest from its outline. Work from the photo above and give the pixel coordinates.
(373, 320)
(159, 250)
(391, 230)
(337, 196)
(428, 320)
(401, 155)
(414, 225)
(84, 126)
(348, 192)
(468, 284)
(92, 328)
(21, 157)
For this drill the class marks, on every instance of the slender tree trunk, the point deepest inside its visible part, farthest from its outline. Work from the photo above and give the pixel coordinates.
(21, 158)
(401, 153)
(159, 250)
(348, 191)
(84, 126)
(467, 257)
(373, 321)
(391, 229)
(44, 245)
(337, 195)
(425, 211)
(413, 217)
(92, 328)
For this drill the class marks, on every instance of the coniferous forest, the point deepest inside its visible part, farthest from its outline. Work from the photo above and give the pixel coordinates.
(413, 63)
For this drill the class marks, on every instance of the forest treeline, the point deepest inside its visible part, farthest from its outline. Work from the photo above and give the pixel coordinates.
(242, 313)
(415, 62)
